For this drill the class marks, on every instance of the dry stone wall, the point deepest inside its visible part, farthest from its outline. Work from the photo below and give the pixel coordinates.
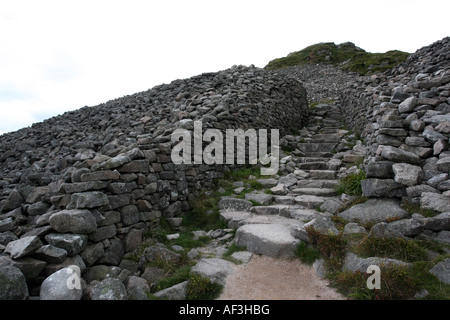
(82, 188)
(403, 116)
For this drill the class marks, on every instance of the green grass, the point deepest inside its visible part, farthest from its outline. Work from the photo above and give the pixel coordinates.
(346, 55)
(201, 288)
(307, 254)
(351, 184)
(397, 248)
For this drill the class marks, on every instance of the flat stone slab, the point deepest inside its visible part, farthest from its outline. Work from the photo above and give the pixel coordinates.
(374, 211)
(273, 240)
(217, 270)
(320, 192)
(308, 201)
(233, 218)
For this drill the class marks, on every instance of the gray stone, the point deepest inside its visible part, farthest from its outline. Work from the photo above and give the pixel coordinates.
(288, 180)
(100, 273)
(432, 135)
(279, 189)
(50, 254)
(443, 164)
(323, 225)
(137, 288)
(435, 180)
(261, 198)
(374, 211)
(23, 247)
(72, 243)
(382, 188)
(30, 267)
(64, 284)
(442, 270)
(100, 176)
(13, 201)
(311, 202)
(6, 224)
(268, 183)
(109, 289)
(92, 253)
(435, 201)
(273, 240)
(299, 231)
(88, 200)
(407, 174)
(332, 206)
(103, 233)
(13, 285)
(78, 187)
(407, 105)
(129, 215)
(234, 204)
(112, 163)
(176, 292)
(354, 228)
(354, 263)
(379, 169)
(398, 155)
(416, 191)
(439, 222)
(216, 270)
(113, 253)
(7, 237)
(73, 221)
(398, 229)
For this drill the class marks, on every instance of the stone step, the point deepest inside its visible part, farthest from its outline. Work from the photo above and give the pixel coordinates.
(312, 159)
(321, 192)
(312, 166)
(234, 218)
(316, 147)
(326, 137)
(273, 240)
(275, 209)
(322, 174)
(307, 201)
(331, 184)
(325, 154)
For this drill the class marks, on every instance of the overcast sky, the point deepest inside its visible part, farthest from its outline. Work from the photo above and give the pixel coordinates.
(57, 56)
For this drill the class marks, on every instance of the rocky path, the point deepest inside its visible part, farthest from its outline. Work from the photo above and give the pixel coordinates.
(304, 196)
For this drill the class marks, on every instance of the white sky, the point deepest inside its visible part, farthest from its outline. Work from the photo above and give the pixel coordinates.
(57, 56)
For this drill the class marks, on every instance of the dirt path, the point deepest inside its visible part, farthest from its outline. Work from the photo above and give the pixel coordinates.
(266, 278)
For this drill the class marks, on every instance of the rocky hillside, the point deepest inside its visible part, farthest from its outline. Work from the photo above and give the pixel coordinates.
(82, 191)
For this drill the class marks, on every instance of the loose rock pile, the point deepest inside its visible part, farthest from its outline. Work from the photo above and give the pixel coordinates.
(81, 189)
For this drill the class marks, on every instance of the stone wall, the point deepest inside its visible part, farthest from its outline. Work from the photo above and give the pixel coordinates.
(404, 118)
(83, 187)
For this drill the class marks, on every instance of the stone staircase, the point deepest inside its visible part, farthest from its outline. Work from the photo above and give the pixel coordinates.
(298, 198)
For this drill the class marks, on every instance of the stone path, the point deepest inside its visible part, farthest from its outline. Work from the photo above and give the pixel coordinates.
(304, 195)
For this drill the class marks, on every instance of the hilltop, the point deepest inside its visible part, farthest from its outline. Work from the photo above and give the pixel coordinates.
(346, 55)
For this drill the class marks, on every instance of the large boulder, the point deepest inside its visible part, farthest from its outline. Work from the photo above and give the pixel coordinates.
(64, 284)
(73, 221)
(273, 240)
(374, 211)
(13, 285)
